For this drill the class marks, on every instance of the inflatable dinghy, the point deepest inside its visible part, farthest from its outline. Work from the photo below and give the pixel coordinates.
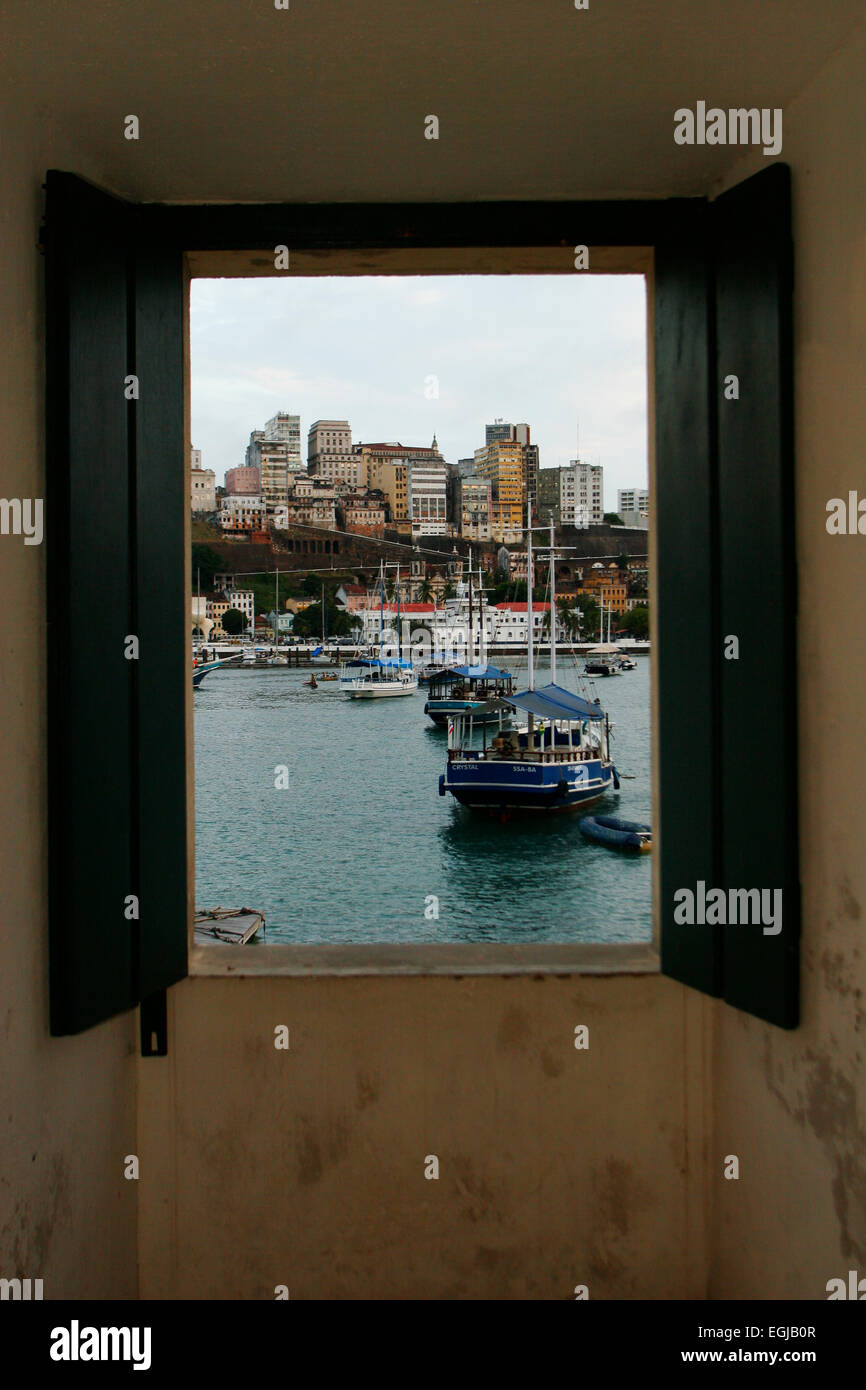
(616, 833)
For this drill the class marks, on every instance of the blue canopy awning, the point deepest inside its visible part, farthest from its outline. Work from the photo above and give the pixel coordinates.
(552, 702)
(388, 662)
(475, 673)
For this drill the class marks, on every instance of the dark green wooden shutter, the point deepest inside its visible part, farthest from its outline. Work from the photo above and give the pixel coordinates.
(757, 570)
(685, 548)
(725, 534)
(110, 314)
(162, 616)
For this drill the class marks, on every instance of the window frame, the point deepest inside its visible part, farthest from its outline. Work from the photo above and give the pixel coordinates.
(696, 278)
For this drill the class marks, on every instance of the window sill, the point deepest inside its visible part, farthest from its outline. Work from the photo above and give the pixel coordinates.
(448, 959)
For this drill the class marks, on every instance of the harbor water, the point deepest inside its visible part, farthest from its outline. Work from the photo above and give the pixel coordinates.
(359, 846)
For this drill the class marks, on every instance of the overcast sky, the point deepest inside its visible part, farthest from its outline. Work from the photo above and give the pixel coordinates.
(555, 351)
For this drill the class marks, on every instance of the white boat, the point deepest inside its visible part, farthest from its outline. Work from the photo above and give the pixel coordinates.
(374, 678)
(377, 676)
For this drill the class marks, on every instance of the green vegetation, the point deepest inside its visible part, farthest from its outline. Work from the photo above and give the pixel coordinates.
(613, 519)
(636, 623)
(205, 530)
(308, 622)
(233, 622)
(205, 564)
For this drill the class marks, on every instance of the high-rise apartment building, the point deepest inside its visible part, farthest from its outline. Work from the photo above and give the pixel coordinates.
(287, 430)
(253, 454)
(473, 506)
(581, 494)
(501, 462)
(633, 499)
(503, 432)
(548, 500)
(276, 452)
(428, 497)
(499, 430)
(329, 453)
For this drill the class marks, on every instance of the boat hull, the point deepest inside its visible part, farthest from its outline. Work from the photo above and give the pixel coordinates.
(523, 785)
(442, 711)
(379, 691)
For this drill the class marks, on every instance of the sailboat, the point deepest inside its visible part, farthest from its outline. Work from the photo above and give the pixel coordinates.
(319, 654)
(377, 676)
(457, 689)
(603, 659)
(559, 761)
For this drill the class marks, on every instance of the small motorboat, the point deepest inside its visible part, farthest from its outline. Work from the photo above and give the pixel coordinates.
(616, 833)
(627, 663)
(329, 676)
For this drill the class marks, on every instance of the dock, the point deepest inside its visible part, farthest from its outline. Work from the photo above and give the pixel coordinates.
(231, 926)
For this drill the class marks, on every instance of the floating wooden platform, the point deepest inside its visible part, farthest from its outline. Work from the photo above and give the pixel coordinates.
(231, 926)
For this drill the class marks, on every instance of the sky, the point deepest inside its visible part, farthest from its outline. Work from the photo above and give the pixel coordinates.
(564, 353)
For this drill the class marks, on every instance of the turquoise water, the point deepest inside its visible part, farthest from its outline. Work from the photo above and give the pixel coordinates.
(352, 850)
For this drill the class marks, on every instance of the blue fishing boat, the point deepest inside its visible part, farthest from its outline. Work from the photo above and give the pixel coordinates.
(203, 669)
(458, 689)
(616, 833)
(559, 761)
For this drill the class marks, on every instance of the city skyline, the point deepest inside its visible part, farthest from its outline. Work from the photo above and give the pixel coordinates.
(367, 350)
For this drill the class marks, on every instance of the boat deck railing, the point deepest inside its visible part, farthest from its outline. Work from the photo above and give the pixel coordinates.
(508, 753)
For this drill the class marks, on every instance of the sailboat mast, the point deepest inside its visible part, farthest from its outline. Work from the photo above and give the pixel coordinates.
(552, 608)
(399, 636)
(381, 607)
(482, 659)
(471, 642)
(530, 654)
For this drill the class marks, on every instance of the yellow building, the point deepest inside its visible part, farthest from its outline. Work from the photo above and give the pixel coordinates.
(502, 463)
(384, 469)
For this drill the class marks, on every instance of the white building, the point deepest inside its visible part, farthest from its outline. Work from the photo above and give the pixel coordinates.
(286, 429)
(244, 600)
(581, 494)
(511, 622)
(633, 499)
(329, 453)
(242, 513)
(202, 488)
(428, 498)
